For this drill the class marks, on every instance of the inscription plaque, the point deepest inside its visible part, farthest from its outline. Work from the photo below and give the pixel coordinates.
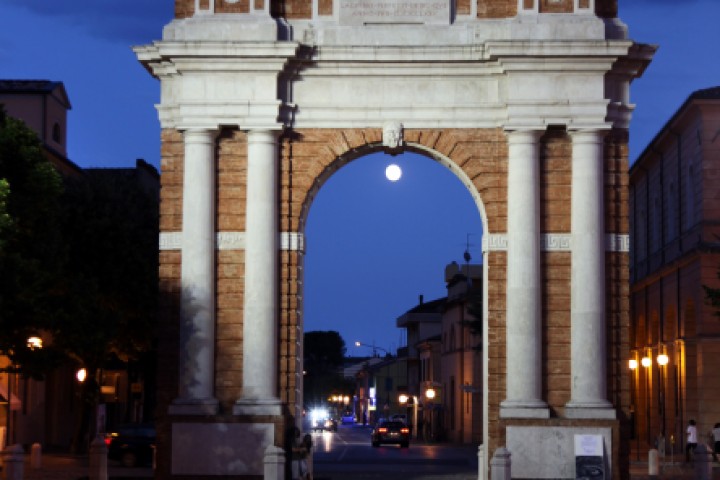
(363, 12)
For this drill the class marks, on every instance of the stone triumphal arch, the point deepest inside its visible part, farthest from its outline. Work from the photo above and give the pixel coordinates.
(527, 101)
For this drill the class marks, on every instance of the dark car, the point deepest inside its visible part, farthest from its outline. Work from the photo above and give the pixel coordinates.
(390, 432)
(132, 445)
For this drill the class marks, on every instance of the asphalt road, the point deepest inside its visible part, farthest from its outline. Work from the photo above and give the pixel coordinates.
(348, 455)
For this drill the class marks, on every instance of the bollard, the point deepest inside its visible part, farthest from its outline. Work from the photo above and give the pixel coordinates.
(481, 462)
(98, 459)
(274, 460)
(35, 456)
(14, 462)
(653, 462)
(703, 464)
(500, 465)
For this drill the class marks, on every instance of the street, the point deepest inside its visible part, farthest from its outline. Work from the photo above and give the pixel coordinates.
(347, 454)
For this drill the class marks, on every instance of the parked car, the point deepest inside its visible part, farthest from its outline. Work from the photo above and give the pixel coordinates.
(390, 432)
(132, 445)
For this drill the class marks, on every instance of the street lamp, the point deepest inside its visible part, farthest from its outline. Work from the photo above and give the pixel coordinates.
(647, 363)
(662, 361)
(373, 346)
(633, 365)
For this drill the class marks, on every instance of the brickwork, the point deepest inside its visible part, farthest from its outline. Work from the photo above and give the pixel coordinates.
(171, 180)
(242, 6)
(298, 9)
(554, 6)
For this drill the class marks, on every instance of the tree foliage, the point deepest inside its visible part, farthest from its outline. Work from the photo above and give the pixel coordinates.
(31, 251)
(324, 356)
(78, 259)
(110, 226)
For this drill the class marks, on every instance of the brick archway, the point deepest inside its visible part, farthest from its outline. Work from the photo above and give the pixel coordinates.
(525, 100)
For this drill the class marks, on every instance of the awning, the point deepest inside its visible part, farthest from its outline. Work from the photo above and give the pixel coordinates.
(15, 403)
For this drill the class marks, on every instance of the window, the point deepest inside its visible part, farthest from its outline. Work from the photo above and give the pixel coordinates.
(56, 134)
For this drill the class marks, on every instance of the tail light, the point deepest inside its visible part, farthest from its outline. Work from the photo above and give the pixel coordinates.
(382, 430)
(404, 430)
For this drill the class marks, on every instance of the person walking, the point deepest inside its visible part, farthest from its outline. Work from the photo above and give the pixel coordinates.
(716, 441)
(691, 439)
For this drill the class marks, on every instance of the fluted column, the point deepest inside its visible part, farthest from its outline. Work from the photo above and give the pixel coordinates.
(197, 311)
(259, 391)
(588, 395)
(523, 306)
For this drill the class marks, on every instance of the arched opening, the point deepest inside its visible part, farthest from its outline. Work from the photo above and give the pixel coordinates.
(376, 249)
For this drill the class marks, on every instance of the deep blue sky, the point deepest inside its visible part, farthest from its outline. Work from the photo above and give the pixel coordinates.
(373, 246)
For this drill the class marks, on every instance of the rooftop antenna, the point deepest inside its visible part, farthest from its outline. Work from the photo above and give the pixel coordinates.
(467, 258)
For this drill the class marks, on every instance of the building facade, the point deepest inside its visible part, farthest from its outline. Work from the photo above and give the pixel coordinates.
(525, 101)
(462, 374)
(675, 252)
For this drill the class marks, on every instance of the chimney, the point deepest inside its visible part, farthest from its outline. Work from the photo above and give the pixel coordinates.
(420, 299)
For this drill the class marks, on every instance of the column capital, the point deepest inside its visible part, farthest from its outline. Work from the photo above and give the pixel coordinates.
(530, 136)
(200, 135)
(588, 135)
(262, 135)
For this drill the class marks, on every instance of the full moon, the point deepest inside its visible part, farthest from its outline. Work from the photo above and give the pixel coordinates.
(393, 172)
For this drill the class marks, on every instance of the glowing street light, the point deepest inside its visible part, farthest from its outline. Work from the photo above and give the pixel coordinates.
(662, 359)
(632, 363)
(81, 375)
(646, 362)
(375, 348)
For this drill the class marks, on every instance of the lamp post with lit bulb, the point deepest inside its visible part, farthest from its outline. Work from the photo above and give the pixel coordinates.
(662, 361)
(374, 348)
(633, 364)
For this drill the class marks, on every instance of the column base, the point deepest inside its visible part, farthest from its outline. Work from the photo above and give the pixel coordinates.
(257, 406)
(524, 409)
(194, 406)
(600, 409)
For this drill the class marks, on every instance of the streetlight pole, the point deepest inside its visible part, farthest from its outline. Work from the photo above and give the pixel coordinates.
(373, 346)
(633, 364)
(647, 363)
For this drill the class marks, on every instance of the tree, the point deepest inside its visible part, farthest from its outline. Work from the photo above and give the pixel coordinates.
(31, 253)
(110, 224)
(324, 356)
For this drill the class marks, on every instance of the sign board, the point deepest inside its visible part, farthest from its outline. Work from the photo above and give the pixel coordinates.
(589, 457)
(422, 12)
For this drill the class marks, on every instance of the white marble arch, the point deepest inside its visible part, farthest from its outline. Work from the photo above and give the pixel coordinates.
(415, 63)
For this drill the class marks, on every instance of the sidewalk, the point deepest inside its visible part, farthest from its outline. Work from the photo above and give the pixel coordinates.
(670, 471)
(58, 466)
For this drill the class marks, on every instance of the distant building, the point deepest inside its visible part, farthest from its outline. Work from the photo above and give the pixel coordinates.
(43, 106)
(461, 350)
(675, 251)
(445, 361)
